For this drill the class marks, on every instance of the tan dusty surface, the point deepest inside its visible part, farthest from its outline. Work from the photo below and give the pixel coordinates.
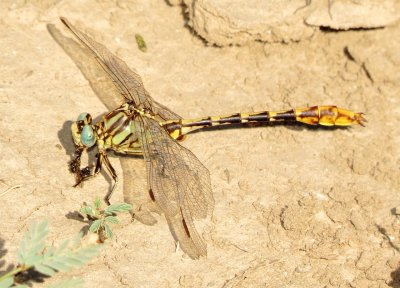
(294, 207)
(225, 22)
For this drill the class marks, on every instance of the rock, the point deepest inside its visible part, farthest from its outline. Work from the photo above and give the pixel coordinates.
(228, 22)
(344, 15)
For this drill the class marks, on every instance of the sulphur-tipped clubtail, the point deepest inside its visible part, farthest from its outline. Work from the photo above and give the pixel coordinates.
(177, 181)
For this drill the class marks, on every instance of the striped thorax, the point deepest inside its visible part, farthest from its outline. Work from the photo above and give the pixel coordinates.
(116, 131)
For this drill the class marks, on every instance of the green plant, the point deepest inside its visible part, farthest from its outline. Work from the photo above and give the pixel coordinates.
(102, 218)
(33, 254)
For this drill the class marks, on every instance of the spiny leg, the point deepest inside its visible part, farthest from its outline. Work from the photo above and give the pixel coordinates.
(113, 174)
(85, 173)
(75, 164)
(75, 167)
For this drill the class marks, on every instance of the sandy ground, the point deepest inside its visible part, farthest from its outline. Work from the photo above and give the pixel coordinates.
(294, 207)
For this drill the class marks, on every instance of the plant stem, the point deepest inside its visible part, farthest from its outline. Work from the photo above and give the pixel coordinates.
(13, 272)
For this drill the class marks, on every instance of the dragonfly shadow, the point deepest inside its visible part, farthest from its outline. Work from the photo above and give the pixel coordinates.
(64, 135)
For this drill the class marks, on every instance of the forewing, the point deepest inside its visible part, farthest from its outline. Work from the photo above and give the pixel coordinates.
(98, 78)
(163, 112)
(128, 82)
(179, 182)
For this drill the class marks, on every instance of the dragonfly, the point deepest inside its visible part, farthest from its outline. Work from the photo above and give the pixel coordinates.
(178, 184)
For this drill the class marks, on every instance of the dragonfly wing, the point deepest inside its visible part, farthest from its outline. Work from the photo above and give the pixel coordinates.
(179, 183)
(163, 112)
(128, 82)
(99, 80)
(135, 186)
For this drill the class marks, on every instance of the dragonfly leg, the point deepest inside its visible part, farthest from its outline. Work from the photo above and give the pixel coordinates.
(75, 164)
(84, 174)
(113, 174)
(75, 167)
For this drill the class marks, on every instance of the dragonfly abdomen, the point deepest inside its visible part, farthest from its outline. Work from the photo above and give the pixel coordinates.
(316, 115)
(328, 116)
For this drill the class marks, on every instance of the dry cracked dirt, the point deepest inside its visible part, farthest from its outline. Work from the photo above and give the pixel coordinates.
(294, 206)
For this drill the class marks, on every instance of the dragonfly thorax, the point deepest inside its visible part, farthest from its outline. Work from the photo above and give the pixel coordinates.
(82, 131)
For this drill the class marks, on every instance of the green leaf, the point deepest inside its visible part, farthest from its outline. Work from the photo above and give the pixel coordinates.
(36, 248)
(116, 208)
(63, 246)
(5, 283)
(42, 226)
(97, 203)
(73, 261)
(49, 251)
(95, 226)
(44, 269)
(109, 233)
(33, 242)
(47, 260)
(67, 259)
(89, 252)
(76, 241)
(88, 210)
(20, 286)
(70, 283)
(111, 219)
(57, 264)
(32, 260)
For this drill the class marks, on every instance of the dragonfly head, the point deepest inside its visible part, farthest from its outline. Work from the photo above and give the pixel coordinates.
(83, 132)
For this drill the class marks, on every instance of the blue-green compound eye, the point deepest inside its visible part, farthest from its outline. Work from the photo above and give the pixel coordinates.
(82, 116)
(87, 136)
(85, 117)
